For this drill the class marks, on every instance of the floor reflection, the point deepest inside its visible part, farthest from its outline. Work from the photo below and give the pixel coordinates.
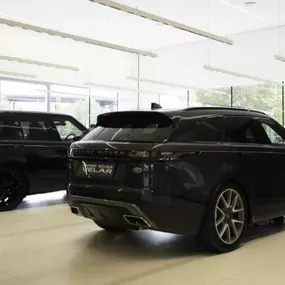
(46, 199)
(151, 244)
(144, 244)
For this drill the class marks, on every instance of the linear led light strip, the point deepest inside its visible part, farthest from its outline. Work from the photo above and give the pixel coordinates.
(40, 63)
(280, 58)
(236, 74)
(117, 88)
(174, 24)
(17, 74)
(174, 85)
(78, 94)
(77, 38)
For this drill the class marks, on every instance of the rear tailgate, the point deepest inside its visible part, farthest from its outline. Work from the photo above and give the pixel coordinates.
(117, 152)
(111, 164)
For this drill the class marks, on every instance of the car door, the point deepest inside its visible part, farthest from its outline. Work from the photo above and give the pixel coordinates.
(64, 130)
(47, 141)
(45, 160)
(252, 161)
(271, 194)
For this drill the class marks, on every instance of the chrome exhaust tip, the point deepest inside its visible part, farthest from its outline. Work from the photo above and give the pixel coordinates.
(137, 221)
(75, 210)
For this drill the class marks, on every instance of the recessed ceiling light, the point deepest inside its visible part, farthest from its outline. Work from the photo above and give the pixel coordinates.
(241, 9)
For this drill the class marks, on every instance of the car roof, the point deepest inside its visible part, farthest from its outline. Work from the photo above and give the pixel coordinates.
(211, 111)
(32, 113)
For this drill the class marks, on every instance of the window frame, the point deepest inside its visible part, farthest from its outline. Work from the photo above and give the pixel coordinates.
(256, 130)
(276, 127)
(53, 117)
(8, 120)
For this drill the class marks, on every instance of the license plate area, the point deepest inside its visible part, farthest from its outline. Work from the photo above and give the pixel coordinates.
(89, 169)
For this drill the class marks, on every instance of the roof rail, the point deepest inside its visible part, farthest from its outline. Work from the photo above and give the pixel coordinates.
(224, 108)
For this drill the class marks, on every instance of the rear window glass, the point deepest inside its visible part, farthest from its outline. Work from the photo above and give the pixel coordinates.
(199, 130)
(132, 127)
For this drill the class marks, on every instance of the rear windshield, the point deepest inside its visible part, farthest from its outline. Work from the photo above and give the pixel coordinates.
(132, 127)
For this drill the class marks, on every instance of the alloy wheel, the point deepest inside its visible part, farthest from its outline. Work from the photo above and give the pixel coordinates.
(9, 188)
(229, 216)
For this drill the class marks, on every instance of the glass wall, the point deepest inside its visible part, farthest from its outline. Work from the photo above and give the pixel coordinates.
(213, 97)
(146, 99)
(102, 101)
(70, 100)
(263, 97)
(23, 96)
(174, 102)
(86, 104)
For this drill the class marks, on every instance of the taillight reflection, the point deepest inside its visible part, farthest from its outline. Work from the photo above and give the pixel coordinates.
(169, 155)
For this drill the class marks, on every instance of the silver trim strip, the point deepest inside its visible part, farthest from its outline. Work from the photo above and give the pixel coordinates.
(134, 209)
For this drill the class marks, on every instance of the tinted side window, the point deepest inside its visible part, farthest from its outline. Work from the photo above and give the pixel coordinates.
(199, 130)
(67, 128)
(241, 130)
(274, 132)
(39, 130)
(10, 129)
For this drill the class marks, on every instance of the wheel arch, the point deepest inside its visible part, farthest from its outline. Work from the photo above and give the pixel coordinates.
(245, 191)
(21, 169)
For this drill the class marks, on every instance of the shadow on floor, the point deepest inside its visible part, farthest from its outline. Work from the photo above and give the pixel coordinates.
(262, 230)
(156, 245)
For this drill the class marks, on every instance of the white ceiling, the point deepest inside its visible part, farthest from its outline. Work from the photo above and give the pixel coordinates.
(223, 17)
(177, 61)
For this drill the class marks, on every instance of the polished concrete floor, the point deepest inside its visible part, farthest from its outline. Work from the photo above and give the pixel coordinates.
(43, 245)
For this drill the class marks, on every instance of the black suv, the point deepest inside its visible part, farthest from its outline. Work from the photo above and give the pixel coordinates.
(33, 154)
(201, 171)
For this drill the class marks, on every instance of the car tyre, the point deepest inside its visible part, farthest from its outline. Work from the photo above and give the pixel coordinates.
(279, 221)
(13, 188)
(109, 228)
(225, 221)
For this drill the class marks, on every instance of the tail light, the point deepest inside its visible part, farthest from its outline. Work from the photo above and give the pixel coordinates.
(171, 155)
(139, 154)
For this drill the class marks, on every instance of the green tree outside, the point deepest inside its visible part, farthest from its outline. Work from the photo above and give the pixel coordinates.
(261, 97)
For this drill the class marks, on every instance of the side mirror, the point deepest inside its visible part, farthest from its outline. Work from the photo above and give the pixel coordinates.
(77, 138)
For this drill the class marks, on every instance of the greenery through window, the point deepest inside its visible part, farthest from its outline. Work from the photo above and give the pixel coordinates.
(261, 97)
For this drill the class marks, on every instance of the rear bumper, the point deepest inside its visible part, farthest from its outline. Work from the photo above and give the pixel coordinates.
(138, 210)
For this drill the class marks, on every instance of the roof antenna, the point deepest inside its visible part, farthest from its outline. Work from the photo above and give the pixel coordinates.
(155, 106)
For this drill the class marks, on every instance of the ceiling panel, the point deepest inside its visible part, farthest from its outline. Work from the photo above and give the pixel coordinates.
(85, 18)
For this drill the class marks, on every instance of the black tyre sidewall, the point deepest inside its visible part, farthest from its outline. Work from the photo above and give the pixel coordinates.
(21, 194)
(208, 234)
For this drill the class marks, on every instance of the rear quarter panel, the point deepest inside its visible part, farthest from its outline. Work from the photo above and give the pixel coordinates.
(201, 168)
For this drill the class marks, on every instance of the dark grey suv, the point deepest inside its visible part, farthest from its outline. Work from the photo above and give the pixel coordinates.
(203, 171)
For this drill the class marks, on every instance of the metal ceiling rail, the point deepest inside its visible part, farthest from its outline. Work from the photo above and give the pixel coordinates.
(77, 38)
(153, 17)
(40, 63)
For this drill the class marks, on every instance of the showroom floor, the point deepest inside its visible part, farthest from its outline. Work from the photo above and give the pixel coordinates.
(48, 245)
